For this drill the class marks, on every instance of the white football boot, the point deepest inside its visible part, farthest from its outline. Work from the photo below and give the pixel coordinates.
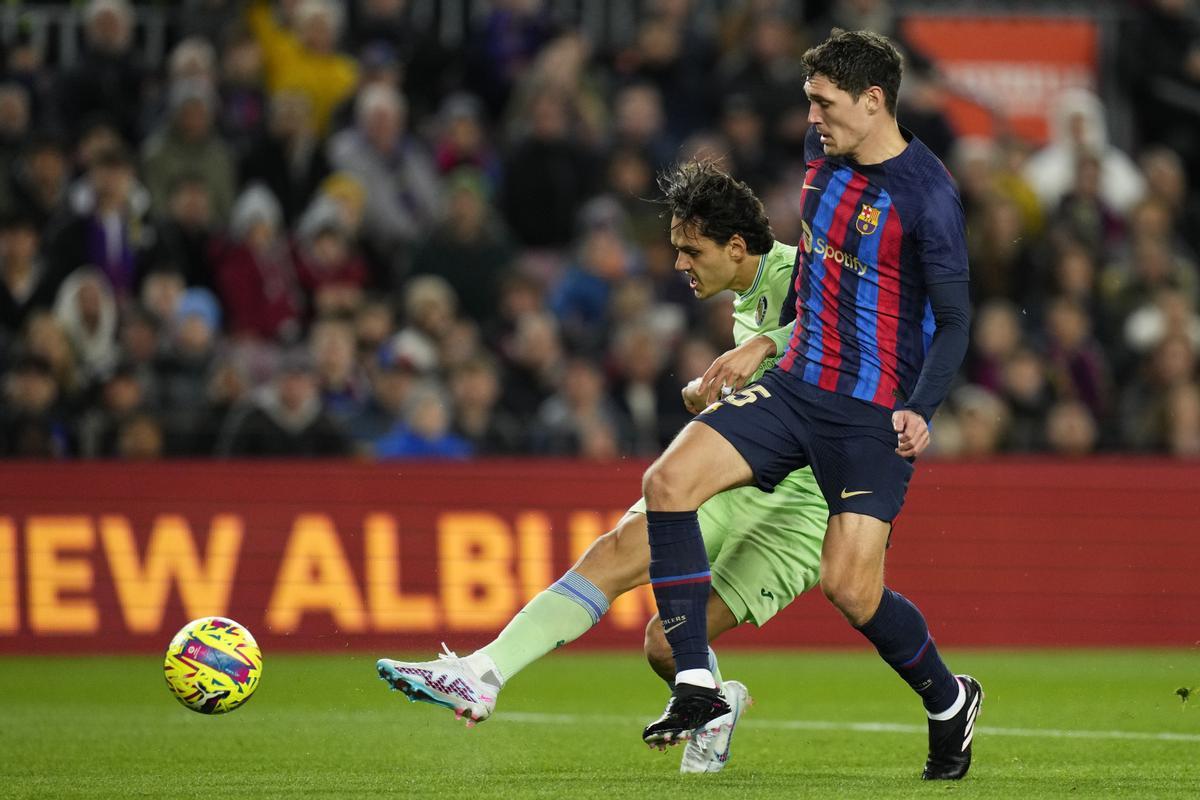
(450, 682)
(708, 751)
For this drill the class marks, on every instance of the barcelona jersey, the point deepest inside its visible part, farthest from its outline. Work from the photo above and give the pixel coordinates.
(874, 238)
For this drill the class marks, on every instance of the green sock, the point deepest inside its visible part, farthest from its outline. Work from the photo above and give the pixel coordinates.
(557, 616)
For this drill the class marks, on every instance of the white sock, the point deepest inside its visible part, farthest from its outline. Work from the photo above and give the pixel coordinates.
(696, 677)
(955, 707)
(482, 664)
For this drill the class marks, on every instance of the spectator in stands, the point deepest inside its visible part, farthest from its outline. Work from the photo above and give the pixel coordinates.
(25, 282)
(764, 67)
(644, 393)
(1167, 183)
(185, 368)
(1078, 369)
(392, 380)
(33, 421)
(1143, 403)
(1078, 129)
(744, 129)
(534, 366)
(37, 181)
(1071, 430)
(87, 310)
(1027, 392)
(982, 421)
(374, 324)
(639, 123)
(342, 388)
(285, 419)
(604, 259)
(501, 47)
(1183, 421)
(462, 141)
(243, 102)
(1083, 215)
(402, 189)
(430, 310)
(997, 336)
(256, 279)
(14, 124)
(187, 144)
(304, 56)
(1002, 261)
(288, 157)
(331, 272)
(425, 431)
(548, 176)
(46, 339)
(580, 404)
(108, 79)
(470, 248)
(121, 399)
(140, 438)
(109, 230)
(478, 418)
(185, 241)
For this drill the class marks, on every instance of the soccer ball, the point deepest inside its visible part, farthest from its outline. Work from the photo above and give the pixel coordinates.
(213, 665)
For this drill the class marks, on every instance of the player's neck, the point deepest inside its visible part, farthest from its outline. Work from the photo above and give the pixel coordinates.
(747, 271)
(884, 143)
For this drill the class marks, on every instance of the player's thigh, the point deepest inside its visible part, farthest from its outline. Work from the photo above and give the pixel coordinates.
(620, 559)
(699, 463)
(772, 551)
(766, 425)
(852, 564)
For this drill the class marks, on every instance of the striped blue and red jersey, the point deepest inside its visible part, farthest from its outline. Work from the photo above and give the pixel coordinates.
(875, 238)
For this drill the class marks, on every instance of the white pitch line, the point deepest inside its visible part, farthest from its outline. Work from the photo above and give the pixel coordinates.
(857, 727)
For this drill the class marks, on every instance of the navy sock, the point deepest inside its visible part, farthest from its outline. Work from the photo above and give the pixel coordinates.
(902, 638)
(681, 581)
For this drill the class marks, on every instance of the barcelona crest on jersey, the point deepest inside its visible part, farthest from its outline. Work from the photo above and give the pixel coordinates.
(868, 220)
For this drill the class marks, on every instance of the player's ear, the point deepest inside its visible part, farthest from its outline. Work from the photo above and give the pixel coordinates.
(874, 97)
(736, 247)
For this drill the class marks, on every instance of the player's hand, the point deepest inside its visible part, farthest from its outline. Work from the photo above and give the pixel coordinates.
(734, 368)
(692, 400)
(912, 433)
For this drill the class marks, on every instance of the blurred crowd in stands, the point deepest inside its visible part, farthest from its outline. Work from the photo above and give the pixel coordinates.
(315, 229)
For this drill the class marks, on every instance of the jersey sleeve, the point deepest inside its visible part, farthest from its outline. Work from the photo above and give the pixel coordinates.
(780, 336)
(941, 237)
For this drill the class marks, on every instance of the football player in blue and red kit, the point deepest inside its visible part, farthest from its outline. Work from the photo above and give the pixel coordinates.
(881, 308)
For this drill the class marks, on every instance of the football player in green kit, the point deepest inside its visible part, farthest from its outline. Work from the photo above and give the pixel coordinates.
(764, 549)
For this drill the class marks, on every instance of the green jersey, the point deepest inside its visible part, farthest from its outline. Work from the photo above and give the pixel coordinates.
(764, 550)
(756, 311)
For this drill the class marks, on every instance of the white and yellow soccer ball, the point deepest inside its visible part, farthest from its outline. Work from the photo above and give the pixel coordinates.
(213, 665)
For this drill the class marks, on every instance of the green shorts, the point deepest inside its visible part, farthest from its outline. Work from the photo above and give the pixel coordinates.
(764, 550)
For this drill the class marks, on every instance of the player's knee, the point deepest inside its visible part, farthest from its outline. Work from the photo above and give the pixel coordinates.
(664, 486)
(854, 597)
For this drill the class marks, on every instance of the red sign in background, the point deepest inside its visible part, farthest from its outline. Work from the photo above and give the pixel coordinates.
(1004, 72)
(389, 558)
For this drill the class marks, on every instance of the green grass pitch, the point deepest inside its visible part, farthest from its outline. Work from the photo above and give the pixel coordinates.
(1101, 724)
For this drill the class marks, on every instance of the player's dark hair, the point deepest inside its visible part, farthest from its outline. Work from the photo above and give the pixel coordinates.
(857, 60)
(701, 194)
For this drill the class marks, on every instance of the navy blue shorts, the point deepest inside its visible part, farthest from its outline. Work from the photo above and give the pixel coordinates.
(781, 424)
